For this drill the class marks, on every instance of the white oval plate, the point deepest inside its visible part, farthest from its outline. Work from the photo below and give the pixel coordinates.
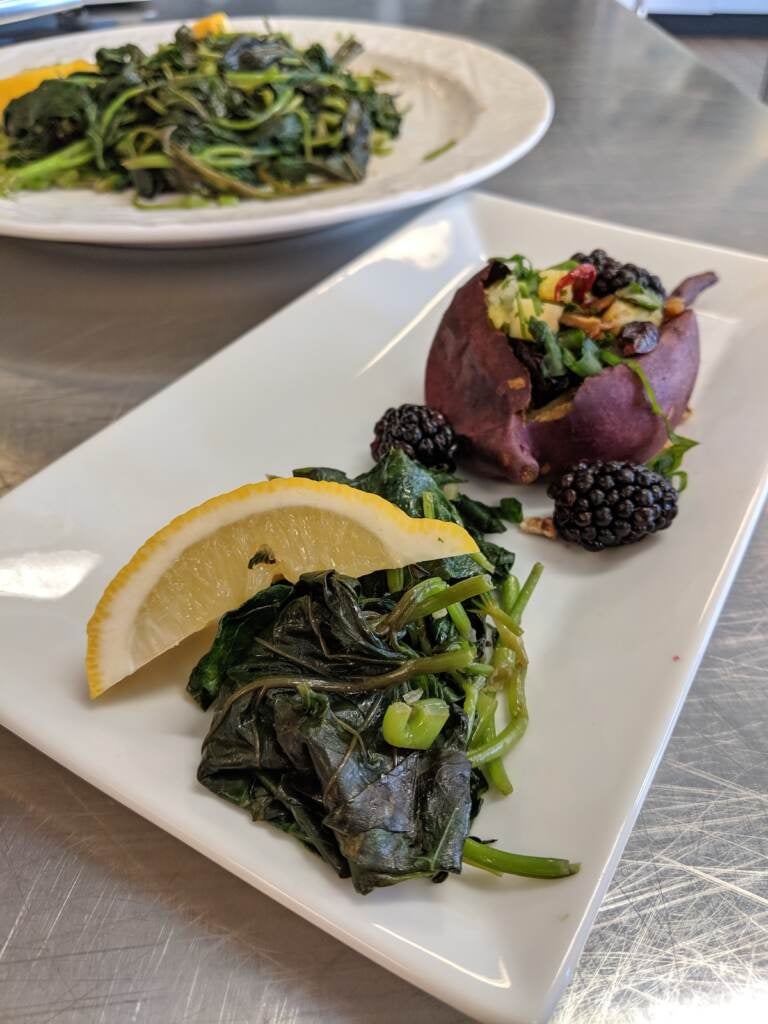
(494, 106)
(614, 639)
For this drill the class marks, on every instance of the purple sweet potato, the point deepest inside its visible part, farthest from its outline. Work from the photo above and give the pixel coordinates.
(475, 379)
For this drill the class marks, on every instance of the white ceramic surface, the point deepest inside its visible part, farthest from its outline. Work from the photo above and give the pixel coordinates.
(495, 107)
(614, 639)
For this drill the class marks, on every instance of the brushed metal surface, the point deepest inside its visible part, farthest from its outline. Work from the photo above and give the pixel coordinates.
(104, 919)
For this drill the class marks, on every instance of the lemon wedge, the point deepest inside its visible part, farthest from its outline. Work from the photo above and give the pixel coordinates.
(19, 85)
(214, 25)
(197, 567)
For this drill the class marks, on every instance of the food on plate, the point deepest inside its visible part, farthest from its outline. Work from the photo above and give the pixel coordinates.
(608, 504)
(213, 115)
(353, 693)
(359, 714)
(588, 359)
(206, 562)
(419, 491)
(422, 433)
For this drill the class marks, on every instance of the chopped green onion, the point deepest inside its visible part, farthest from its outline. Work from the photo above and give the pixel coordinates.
(526, 593)
(510, 588)
(461, 621)
(414, 726)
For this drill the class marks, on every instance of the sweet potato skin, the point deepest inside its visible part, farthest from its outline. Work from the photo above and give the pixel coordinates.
(610, 418)
(475, 379)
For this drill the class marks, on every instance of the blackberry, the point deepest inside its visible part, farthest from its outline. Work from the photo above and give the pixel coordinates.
(607, 504)
(422, 433)
(612, 275)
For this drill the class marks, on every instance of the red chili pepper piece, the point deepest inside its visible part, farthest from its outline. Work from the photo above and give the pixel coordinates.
(582, 278)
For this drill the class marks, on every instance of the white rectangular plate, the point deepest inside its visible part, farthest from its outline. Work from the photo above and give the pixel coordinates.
(614, 639)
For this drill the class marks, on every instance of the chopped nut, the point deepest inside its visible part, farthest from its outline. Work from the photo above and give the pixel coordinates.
(554, 410)
(674, 306)
(591, 325)
(600, 305)
(541, 526)
(516, 383)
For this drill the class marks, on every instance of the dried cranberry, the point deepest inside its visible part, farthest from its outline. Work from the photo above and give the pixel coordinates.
(638, 338)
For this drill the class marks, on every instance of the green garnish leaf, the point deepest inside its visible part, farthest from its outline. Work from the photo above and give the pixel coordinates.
(511, 509)
(588, 364)
(552, 364)
(669, 459)
(523, 270)
(640, 296)
(572, 338)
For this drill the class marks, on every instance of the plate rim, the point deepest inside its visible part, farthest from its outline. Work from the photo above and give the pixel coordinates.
(216, 233)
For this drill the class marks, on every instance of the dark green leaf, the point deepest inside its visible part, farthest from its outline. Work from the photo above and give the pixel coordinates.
(511, 509)
(478, 516)
(588, 364)
(398, 479)
(47, 119)
(552, 364)
(640, 296)
(264, 556)
(315, 764)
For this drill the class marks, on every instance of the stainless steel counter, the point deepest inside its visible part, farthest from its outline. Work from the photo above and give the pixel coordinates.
(104, 919)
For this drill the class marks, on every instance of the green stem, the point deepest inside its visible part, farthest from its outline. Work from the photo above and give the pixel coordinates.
(482, 561)
(479, 668)
(472, 690)
(526, 592)
(395, 580)
(74, 155)
(500, 745)
(486, 731)
(250, 123)
(485, 712)
(119, 101)
(508, 593)
(435, 153)
(497, 776)
(430, 596)
(460, 619)
(501, 620)
(148, 161)
(480, 855)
